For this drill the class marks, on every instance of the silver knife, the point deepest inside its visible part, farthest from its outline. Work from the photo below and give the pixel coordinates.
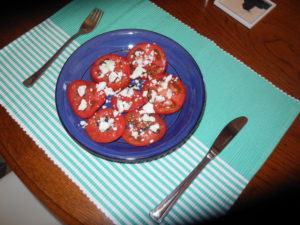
(226, 135)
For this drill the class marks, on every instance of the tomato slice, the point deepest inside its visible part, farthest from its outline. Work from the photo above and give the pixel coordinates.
(128, 100)
(84, 98)
(146, 60)
(112, 69)
(143, 129)
(166, 92)
(104, 126)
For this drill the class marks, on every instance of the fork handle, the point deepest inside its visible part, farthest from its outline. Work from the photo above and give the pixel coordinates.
(33, 78)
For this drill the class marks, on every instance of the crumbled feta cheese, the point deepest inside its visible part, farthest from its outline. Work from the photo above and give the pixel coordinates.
(169, 93)
(122, 105)
(154, 81)
(147, 118)
(109, 91)
(159, 98)
(148, 108)
(115, 77)
(83, 123)
(106, 66)
(166, 81)
(81, 90)
(160, 89)
(153, 95)
(135, 134)
(116, 113)
(138, 72)
(83, 105)
(145, 93)
(154, 127)
(101, 86)
(138, 53)
(104, 124)
(127, 92)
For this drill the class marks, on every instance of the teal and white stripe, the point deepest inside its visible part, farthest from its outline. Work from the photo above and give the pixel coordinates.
(124, 192)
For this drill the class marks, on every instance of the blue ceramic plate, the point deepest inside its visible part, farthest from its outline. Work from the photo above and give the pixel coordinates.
(180, 125)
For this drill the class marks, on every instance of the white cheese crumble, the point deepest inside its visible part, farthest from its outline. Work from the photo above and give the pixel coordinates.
(127, 92)
(83, 105)
(106, 66)
(138, 53)
(104, 124)
(153, 95)
(101, 86)
(122, 105)
(159, 98)
(116, 113)
(166, 81)
(154, 127)
(109, 91)
(148, 108)
(81, 90)
(83, 123)
(169, 93)
(134, 134)
(147, 118)
(145, 93)
(115, 77)
(138, 72)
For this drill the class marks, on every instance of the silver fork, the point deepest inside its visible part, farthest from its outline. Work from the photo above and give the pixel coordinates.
(86, 27)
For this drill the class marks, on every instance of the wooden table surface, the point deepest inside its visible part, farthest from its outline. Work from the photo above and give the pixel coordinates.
(271, 48)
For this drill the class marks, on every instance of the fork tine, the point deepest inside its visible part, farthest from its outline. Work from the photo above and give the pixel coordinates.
(91, 15)
(94, 17)
(98, 15)
(94, 14)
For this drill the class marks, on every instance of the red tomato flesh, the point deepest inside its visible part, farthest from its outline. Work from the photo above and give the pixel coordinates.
(166, 92)
(84, 98)
(112, 69)
(146, 60)
(104, 126)
(143, 129)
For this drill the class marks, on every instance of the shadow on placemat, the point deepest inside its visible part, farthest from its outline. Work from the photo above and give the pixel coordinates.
(279, 206)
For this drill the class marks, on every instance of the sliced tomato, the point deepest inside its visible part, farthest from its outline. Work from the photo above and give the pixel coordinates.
(146, 59)
(112, 69)
(166, 92)
(128, 100)
(104, 126)
(143, 129)
(84, 98)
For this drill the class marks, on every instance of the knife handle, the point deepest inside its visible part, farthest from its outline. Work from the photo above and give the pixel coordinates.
(163, 208)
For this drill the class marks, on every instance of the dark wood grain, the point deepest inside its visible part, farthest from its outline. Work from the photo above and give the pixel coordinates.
(271, 48)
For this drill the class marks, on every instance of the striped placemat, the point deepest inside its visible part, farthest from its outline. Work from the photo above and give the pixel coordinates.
(127, 192)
